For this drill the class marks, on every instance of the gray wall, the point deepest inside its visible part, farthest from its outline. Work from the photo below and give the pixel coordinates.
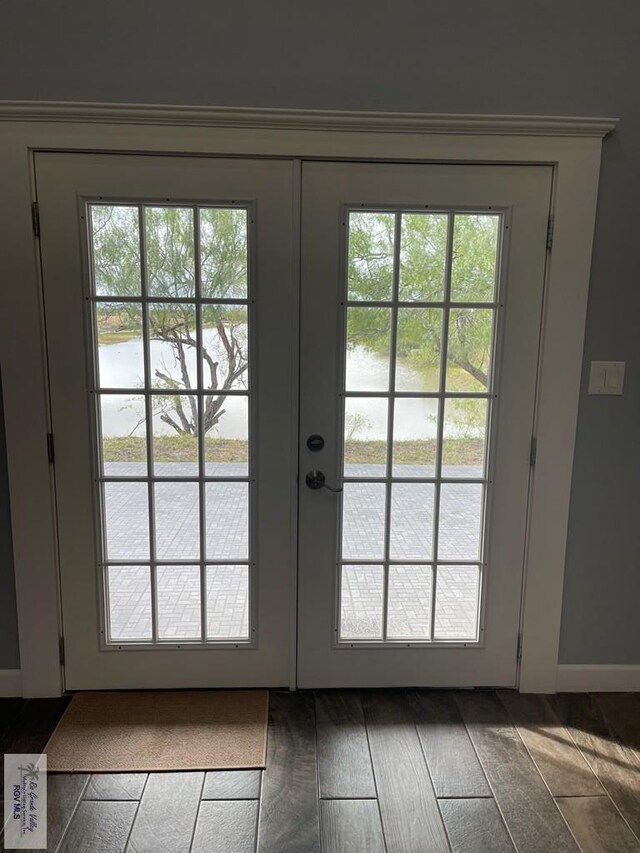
(573, 57)
(9, 653)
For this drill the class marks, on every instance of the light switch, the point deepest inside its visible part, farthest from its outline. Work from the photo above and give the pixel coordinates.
(606, 377)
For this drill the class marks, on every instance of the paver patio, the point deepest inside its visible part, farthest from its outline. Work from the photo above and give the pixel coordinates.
(410, 598)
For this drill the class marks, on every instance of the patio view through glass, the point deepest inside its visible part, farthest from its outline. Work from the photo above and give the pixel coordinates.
(169, 316)
(170, 309)
(420, 318)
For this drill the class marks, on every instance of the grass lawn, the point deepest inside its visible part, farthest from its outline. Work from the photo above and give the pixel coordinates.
(459, 451)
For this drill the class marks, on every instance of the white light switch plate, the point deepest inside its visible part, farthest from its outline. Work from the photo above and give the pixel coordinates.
(606, 377)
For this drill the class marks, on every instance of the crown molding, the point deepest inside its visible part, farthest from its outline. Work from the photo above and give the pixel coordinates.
(314, 120)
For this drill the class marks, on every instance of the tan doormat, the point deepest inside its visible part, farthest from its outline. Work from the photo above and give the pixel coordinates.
(161, 730)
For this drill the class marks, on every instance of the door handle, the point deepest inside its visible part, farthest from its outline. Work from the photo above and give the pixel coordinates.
(316, 480)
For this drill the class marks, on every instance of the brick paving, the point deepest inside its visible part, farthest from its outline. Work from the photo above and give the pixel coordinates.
(179, 602)
(226, 538)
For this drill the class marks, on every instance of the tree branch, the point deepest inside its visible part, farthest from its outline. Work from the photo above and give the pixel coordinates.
(213, 367)
(466, 365)
(167, 419)
(213, 411)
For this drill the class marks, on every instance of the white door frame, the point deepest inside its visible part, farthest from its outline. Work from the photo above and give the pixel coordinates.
(571, 145)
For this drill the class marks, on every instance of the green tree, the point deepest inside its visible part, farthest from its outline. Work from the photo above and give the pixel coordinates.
(423, 252)
(170, 273)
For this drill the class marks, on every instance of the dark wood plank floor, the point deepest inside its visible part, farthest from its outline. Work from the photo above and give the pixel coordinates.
(373, 771)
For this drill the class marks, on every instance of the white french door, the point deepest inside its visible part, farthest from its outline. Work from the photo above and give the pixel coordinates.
(420, 324)
(171, 322)
(174, 348)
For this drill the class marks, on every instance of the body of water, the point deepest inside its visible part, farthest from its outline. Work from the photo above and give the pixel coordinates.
(122, 366)
(367, 416)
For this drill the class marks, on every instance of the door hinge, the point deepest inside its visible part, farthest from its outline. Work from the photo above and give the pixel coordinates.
(50, 448)
(550, 227)
(35, 218)
(61, 650)
(534, 451)
(519, 648)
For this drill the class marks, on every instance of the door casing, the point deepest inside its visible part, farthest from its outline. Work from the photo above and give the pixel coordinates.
(572, 146)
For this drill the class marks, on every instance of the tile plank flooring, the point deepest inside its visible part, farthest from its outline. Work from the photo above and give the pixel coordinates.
(373, 771)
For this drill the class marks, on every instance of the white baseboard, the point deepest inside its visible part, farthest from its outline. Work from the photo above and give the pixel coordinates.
(10, 683)
(585, 678)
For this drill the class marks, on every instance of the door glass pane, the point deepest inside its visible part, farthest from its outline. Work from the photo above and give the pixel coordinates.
(227, 512)
(123, 423)
(120, 349)
(409, 608)
(371, 248)
(178, 593)
(437, 423)
(368, 349)
(475, 256)
(126, 520)
(115, 243)
(418, 349)
(175, 435)
(223, 253)
(464, 437)
(415, 431)
(457, 591)
(361, 602)
(170, 252)
(363, 520)
(228, 602)
(460, 521)
(225, 347)
(129, 603)
(411, 531)
(172, 343)
(226, 440)
(423, 257)
(365, 437)
(469, 349)
(177, 521)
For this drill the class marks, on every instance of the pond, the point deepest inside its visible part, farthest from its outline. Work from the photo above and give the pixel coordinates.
(367, 416)
(121, 366)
